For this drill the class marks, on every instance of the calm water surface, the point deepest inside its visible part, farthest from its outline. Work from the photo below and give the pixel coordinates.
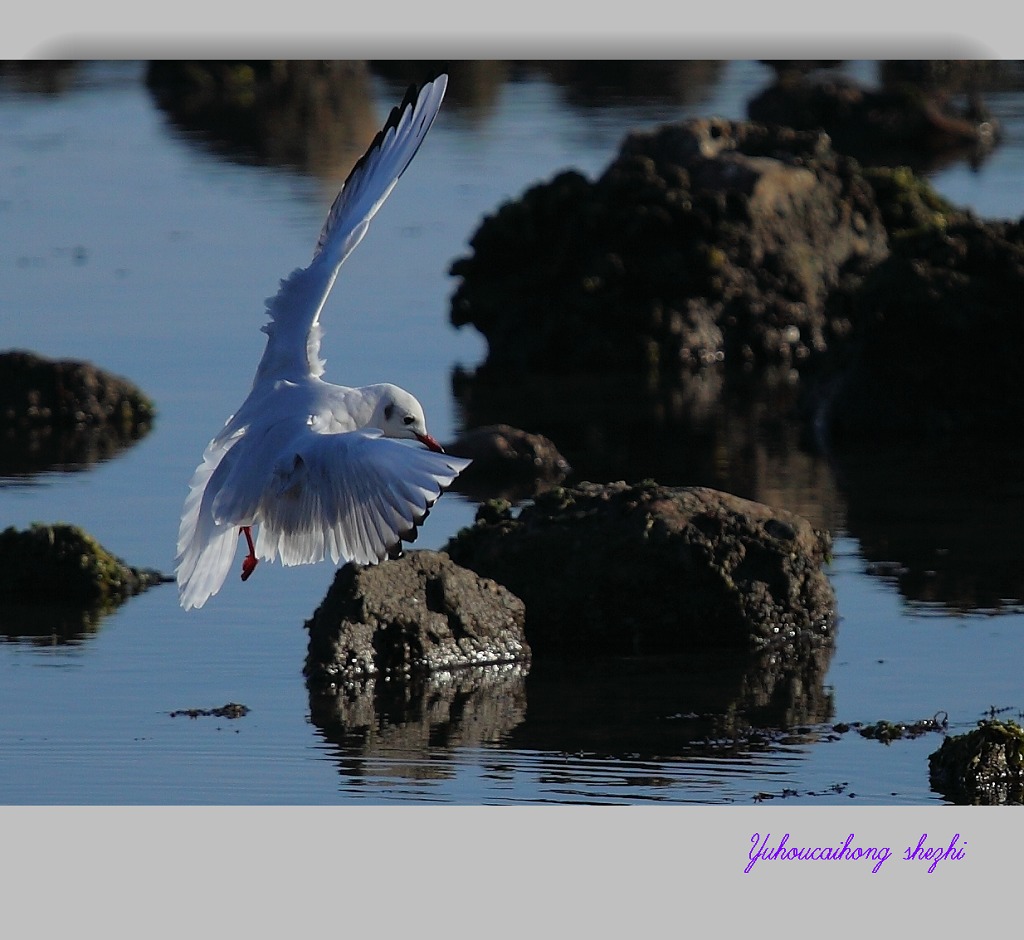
(130, 243)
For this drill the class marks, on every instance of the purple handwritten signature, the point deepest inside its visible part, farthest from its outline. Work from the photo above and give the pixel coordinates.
(764, 850)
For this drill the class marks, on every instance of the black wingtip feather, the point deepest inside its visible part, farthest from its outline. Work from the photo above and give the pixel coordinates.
(412, 94)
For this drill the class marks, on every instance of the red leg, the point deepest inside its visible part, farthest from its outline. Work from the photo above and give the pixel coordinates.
(250, 560)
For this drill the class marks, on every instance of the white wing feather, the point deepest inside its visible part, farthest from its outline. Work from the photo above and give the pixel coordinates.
(352, 496)
(293, 344)
(205, 547)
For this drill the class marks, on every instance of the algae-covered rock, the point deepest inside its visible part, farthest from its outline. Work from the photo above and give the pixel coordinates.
(908, 202)
(57, 579)
(984, 766)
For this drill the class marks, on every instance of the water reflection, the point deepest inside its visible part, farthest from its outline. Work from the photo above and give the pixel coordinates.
(658, 708)
(317, 116)
(631, 709)
(942, 520)
(51, 625)
(313, 115)
(474, 90)
(399, 723)
(599, 83)
(30, 451)
(695, 432)
(38, 77)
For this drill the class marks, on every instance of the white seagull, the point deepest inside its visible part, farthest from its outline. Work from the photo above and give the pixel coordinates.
(315, 466)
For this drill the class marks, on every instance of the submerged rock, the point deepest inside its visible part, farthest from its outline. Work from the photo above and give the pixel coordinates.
(982, 767)
(417, 614)
(65, 412)
(507, 462)
(641, 569)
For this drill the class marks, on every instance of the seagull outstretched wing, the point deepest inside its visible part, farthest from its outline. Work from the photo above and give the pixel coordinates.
(293, 344)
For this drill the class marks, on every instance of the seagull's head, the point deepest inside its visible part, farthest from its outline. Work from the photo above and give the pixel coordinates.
(399, 414)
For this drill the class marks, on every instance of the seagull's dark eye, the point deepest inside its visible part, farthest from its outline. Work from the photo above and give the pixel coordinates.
(389, 410)
(408, 419)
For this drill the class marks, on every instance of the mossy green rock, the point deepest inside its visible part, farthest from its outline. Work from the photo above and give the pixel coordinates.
(61, 565)
(984, 766)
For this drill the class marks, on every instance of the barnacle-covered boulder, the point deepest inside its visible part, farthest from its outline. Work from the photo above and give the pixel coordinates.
(414, 615)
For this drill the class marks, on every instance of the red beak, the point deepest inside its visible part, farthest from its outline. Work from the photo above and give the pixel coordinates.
(430, 442)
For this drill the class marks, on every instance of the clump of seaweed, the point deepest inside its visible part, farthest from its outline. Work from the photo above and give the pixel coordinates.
(232, 710)
(888, 731)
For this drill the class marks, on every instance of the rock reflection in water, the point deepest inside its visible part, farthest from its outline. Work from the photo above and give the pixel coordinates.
(51, 625)
(25, 452)
(943, 520)
(657, 708)
(700, 431)
(394, 727)
(604, 83)
(664, 708)
(314, 115)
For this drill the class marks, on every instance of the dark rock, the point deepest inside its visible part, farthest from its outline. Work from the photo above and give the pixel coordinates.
(417, 614)
(647, 569)
(983, 767)
(935, 340)
(65, 412)
(507, 462)
(57, 581)
(903, 123)
(703, 241)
